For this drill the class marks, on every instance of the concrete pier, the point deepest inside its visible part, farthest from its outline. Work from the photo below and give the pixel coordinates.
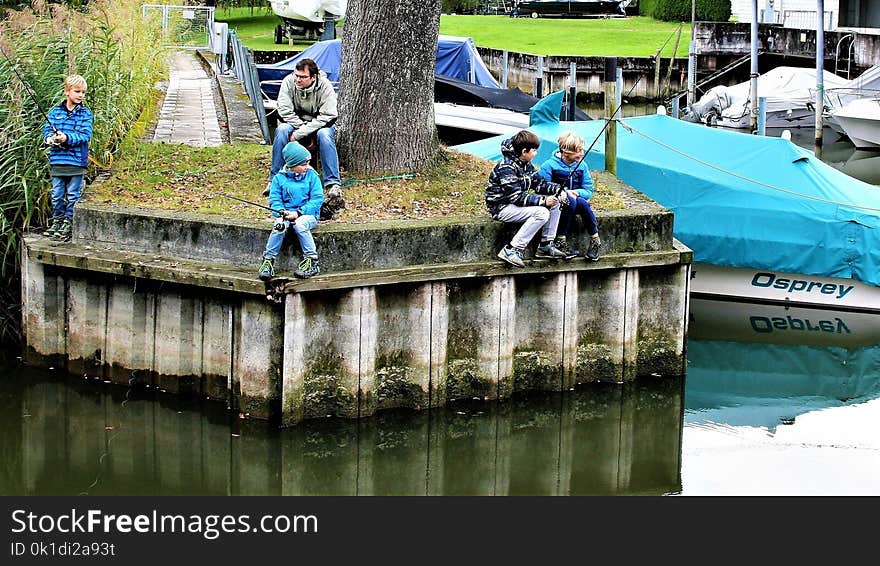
(405, 314)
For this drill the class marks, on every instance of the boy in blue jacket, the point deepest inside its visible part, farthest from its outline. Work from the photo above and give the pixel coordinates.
(297, 192)
(568, 169)
(68, 131)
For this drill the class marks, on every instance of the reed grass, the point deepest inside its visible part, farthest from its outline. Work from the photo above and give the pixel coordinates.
(119, 55)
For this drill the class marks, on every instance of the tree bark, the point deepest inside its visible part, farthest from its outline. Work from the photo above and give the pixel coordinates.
(386, 93)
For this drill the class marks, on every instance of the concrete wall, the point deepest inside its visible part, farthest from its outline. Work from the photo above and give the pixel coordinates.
(408, 315)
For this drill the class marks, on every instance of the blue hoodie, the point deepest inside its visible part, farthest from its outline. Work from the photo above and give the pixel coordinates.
(558, 171)
(76, 124)
(293, 192)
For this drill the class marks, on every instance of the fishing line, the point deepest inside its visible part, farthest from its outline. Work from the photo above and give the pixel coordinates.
(28, 90)
(250, 203)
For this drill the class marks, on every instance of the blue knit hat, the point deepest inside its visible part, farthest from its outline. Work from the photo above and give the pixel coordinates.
(295, 154)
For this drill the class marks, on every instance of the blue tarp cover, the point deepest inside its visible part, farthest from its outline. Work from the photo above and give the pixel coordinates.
(457, 57)
(739, 200)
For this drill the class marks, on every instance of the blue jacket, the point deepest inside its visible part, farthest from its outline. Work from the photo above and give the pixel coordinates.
(301, 193)
(557, 170)
(514, 181)
(77, 126)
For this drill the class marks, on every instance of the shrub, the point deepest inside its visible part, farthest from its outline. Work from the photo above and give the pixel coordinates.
(680, 10)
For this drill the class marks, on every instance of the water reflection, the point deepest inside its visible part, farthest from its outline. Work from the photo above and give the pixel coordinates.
(71, 436)
(781, 400)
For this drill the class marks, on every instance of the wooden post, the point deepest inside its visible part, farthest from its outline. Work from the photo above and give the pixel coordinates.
(671, 61)
(657, 75)
(572, 90)
(539, 78)
(610, 92)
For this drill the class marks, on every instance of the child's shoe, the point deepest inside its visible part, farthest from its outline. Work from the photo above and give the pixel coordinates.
(53, 228)
(512, 256)
(64, 231)
(562, 245)
(593, 250)
(308, 267)
(548, 251)
(267, 269)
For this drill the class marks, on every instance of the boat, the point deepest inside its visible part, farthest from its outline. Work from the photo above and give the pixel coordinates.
(860, 121)
(305, 17)
(767, 221)
(573, 9)
(469, 102)
(790, 93)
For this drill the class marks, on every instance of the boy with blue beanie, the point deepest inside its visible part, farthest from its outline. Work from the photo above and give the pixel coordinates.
(296, 194)
(67, 132)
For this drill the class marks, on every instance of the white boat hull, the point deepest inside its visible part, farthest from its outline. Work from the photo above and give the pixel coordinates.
(494, 121)
(788, 288)
(860, 120)
(308, 10)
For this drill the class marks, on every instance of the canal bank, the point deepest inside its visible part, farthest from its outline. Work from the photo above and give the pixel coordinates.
(404, 314)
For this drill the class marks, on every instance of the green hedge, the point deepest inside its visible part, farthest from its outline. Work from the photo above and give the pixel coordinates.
(680, 10)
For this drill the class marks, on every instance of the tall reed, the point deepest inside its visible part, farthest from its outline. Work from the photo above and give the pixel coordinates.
(120, 56)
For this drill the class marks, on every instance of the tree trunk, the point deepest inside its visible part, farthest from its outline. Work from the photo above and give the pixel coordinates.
(386, 94)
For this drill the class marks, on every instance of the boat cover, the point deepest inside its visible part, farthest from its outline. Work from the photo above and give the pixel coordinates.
(457, 91)
(739, 200)
(457, 57)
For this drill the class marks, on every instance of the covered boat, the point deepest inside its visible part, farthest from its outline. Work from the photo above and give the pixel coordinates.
(796, 229)
(572, 9)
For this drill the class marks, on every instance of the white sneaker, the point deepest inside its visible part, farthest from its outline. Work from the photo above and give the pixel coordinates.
(266, 190)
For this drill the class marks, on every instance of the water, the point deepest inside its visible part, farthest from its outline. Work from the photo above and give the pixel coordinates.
(789, 411)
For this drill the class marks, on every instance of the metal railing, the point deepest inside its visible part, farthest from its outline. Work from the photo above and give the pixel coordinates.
(184, 27)
(246, 71)
(806, 19)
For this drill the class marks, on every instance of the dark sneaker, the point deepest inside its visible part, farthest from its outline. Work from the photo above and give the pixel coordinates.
(593, 251)
(333, 196)
(267, 269)
(512, 256)
(64, 231)
(53, 228)
(562, 245)
(308, 267)
(549, 251)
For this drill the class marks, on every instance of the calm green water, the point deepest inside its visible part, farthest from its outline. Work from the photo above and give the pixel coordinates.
(789, 411)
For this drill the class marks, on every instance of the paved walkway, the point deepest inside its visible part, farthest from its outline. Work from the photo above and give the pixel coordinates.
(188, 114)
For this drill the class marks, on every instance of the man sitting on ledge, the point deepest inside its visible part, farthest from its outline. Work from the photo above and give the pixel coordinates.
(307, 104)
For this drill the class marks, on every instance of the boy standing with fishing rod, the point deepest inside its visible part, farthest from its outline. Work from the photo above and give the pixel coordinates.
(68, 130)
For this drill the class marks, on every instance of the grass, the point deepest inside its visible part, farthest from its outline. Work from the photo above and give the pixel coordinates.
(191, 179)
(637, 36)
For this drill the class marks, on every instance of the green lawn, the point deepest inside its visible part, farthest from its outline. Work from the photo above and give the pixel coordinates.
(630, 37)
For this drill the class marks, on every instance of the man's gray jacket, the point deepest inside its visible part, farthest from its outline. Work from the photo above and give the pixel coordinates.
(309, 109)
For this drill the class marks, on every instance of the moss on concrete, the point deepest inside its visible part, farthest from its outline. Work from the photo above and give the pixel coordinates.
(595, 362)
(325, 395)
(395, 387)
(535, 370)
(657, 356)
(463, 380)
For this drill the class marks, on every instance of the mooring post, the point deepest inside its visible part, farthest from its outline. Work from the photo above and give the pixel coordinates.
(539, 78)
(676, 110)
(820, 79)
(610, 92)
(572, 90)
(762, 115)
(504, 56)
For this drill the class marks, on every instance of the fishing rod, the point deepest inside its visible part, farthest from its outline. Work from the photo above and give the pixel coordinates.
(279, 211)
(602, 131)
(29, 91)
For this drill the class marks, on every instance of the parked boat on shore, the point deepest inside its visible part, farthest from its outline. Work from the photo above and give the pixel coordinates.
(789, 226)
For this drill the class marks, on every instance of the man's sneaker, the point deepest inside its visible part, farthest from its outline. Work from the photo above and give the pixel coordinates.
(593, 250)
(562, 245)
(512, 256)
(333, 196)
(308, 267)
(53, 228)
(64, 231)
(549, 251)
(266, 190)
(267, 269)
